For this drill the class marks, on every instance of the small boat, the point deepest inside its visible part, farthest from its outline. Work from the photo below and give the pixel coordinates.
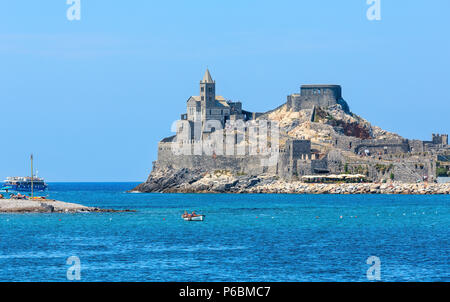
(195, 217)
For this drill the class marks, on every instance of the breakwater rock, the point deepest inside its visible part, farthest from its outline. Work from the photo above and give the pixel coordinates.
(220, 181)
(48, 206)
(356, 188)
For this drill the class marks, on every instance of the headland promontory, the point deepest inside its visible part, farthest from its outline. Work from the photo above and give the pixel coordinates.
(313, 135)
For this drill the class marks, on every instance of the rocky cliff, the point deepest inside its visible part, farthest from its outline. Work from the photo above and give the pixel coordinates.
(188, 181)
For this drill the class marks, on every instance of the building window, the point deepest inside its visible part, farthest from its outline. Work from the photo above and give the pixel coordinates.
(203, 98)
(202, 89)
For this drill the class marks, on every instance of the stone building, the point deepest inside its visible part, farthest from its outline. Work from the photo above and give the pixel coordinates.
(438, 141)
(317, 95)
(211, 107)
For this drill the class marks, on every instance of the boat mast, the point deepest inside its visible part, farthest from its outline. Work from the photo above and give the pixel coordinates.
(32, 192)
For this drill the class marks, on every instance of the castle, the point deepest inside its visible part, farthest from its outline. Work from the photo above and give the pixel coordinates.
(348, 151)
(317, 95)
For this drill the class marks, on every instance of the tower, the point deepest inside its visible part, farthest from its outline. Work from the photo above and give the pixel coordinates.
(439, 139)
(207, 90)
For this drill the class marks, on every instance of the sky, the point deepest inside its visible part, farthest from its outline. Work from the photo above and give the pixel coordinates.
(91, 98)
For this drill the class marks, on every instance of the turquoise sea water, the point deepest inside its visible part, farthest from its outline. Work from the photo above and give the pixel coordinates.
(244, 237)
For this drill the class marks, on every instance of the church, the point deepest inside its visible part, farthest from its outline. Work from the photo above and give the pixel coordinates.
(210, 107)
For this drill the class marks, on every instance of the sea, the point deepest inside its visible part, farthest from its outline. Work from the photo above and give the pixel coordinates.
(292, 238)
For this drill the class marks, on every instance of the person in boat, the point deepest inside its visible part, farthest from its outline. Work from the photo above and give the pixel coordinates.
(1, 196)
(194, 214)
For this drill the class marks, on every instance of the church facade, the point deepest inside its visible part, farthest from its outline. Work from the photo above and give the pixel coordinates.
(208, 106)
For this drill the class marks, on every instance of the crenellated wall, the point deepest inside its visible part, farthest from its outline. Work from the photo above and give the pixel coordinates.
(391, 146)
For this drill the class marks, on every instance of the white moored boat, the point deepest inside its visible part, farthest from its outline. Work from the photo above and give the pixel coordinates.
(193, 218)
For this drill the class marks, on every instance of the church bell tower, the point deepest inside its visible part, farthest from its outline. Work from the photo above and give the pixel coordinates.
(207, 90)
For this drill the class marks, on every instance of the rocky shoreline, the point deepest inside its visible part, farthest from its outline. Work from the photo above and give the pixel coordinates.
(189, 181)
(48, 206)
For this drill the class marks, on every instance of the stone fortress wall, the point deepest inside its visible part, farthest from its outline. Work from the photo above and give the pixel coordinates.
(245, 164)
(316, 95)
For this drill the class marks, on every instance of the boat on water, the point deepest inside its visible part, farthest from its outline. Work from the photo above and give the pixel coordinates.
(193, 217)
(24, 184)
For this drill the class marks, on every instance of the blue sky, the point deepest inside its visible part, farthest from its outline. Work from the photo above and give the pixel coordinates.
(92, 98)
